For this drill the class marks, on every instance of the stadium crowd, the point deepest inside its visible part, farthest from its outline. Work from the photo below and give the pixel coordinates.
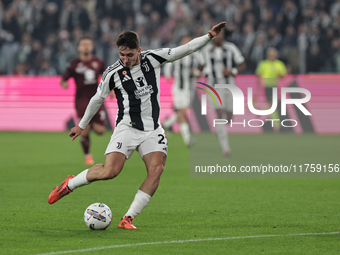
(39, 37)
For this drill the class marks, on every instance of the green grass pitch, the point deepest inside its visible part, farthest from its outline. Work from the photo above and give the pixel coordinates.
(210, 216)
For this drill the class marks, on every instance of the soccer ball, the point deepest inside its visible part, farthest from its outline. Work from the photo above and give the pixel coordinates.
(98, 216)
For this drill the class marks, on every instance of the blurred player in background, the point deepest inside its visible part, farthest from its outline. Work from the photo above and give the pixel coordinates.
(269, 71)
(223, 60)
(185, 70)
(86, 70)
(135, 78)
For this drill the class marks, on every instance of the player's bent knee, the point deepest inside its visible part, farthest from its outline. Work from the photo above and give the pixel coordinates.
(100, 131)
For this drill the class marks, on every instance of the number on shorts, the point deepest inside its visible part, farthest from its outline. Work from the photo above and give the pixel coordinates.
(161, 140)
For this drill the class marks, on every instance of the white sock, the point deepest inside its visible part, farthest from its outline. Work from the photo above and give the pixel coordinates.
(222, 136)
(78, 181)
(170, 121)
(185, 132)
(141, 200)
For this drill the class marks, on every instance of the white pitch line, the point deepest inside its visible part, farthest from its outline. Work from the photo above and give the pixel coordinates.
(184, 241)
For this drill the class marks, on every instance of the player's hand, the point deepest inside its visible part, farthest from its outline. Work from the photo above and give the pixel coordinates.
(75, 132)
(227, 72)
(195, 73)
(216, 29)
(64, 84)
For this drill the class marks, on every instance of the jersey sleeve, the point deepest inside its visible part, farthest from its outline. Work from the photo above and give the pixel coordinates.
(91, 109)
(238, 58)
(161, 56)
(68, 72)
(106, 84)
(167, 70)
(189, 48)
(165, 55)
(199, 59)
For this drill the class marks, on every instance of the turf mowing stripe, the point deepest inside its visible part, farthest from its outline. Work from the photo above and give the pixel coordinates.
(184, 241)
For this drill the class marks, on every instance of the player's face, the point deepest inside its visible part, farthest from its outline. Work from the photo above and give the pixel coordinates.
(129, 57)
(85, 46)
(219, 39)
(272, 55)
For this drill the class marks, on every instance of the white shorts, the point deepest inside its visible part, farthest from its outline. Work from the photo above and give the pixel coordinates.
(226, 98)
(181, 98)
(126, 139)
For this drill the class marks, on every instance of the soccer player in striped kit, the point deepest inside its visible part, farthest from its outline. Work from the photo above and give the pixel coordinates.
(135, 79)
(185, 71)
(223, 61)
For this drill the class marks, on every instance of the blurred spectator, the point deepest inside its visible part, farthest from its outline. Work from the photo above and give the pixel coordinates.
(325, 19)
(333, 62)
(24, 49)
(313, 59)
(258, 51)
(65, 15)
(248, 38)
(291, 26)
(274, 38)
(50, 21)
(79, 17)
(36, 56)
(20, 69)
(289, 50)
(335, 9)
(11, 37)
(302, 41)
(289, 16)
(45, 68)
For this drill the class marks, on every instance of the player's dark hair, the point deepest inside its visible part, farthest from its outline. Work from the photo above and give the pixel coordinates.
(128, 39)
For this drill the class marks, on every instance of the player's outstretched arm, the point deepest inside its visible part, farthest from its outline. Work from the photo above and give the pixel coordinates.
(196, 44)
(91, 109)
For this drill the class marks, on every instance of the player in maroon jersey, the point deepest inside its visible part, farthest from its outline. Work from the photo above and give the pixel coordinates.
(86, 70)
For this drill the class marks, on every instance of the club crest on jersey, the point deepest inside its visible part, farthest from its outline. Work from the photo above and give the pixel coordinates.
(145, 65)
(143, 88)
(95, 65)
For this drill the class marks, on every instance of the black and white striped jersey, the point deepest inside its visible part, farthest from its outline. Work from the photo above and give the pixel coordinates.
(218, 58)
(183, 70)
(138, 88)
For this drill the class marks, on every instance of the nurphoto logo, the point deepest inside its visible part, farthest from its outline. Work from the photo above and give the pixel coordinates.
(239, 102)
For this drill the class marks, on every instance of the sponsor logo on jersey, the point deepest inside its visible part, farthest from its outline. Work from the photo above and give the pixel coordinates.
(140, 82)
(81, 68)
(143, 89)
(126, 77)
